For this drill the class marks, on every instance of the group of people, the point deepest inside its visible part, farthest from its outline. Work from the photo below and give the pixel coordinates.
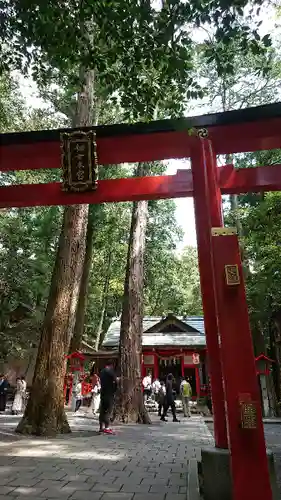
(94, 405)
(164, 394)
(105, 386)
(20, 395)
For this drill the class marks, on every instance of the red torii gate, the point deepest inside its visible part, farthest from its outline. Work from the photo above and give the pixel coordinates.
(222, 285)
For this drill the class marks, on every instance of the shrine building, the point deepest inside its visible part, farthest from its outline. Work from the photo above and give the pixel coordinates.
(170, 344)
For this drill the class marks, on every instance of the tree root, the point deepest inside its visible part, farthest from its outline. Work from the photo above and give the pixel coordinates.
(48, 427)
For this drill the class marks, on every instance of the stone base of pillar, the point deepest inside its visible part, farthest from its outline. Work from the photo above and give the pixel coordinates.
(215, 474)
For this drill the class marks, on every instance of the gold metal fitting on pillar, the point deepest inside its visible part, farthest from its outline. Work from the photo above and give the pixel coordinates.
(198, 132)
(232, 276)
(79, 161)
(224, 231)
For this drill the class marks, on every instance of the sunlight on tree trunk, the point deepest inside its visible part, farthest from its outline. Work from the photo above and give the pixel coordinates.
(130, 407)
(103, 301)
(44, 414)
(77, 338)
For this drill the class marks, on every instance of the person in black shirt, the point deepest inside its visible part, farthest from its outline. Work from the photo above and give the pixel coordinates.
(108, 384)
(209, 400)
(169, 399)
(4, 386)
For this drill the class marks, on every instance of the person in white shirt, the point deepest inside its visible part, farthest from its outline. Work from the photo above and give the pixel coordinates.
(155, 389)
(18, 406)
(156, 386)
(161, 397)
(95, 402)
(146, 383)
(78, 395)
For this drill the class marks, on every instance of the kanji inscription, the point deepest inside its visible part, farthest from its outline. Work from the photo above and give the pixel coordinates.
(232, 275)
(79, 161)
(248, 415)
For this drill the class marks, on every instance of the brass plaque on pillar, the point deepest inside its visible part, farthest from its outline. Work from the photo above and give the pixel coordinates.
(223, 231)
(79, 161)
(249, 417)
(232, 276)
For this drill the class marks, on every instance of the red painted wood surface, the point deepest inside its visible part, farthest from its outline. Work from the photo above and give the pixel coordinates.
(156, 366)
(207, 214)
(111, 150)
(250, 476)
(244, 180)
(142, 188)
(197, 380)
(182, 365)
(131, 189)
(249, 136)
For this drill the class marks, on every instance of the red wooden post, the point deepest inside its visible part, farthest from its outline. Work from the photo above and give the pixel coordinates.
(182, 365)
(197, 378)
(70, 391)
(207, 205)
(142, 367)
(250, 476)
(156, 367)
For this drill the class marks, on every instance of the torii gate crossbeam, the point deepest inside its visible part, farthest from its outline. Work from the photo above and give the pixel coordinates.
(222, 285)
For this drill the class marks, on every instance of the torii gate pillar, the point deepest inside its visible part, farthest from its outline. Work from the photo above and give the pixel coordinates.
(208, 213)
(249, 466)
(228, 337)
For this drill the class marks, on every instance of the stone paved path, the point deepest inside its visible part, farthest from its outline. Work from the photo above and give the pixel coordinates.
(272, 433)
(139, 463)
(273, 441)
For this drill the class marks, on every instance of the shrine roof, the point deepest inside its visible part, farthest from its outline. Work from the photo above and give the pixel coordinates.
(193, 333)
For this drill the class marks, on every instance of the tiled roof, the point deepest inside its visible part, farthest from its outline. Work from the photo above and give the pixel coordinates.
(194, 337)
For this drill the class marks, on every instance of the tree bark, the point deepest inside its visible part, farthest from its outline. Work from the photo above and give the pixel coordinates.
(234, 205)
(130, 406)
(104, 301)
(77, 337)
(44, 414)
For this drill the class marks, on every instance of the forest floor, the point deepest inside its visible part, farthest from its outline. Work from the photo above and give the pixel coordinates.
(155, 462)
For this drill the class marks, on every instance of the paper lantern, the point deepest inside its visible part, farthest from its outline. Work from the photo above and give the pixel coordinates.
(76, 361)
(195, 358)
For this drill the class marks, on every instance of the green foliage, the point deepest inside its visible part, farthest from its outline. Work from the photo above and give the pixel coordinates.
(259, 216)
(28, 237)
(27, 252)
(11, 105)
(28, 245)
(255, 78)
(143, 59)
(141, 51)
(172, 283)
(262, 236)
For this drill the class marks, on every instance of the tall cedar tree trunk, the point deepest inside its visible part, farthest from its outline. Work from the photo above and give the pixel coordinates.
(76, 340)
(130, 406)
(44, 414)
(103, 301)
